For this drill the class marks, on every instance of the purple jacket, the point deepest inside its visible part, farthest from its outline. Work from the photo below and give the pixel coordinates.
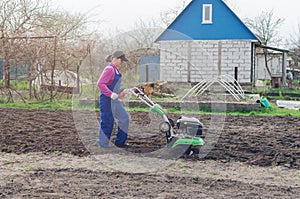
(106, 78)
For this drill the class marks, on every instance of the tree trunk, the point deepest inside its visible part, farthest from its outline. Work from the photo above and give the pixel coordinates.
(266, 63)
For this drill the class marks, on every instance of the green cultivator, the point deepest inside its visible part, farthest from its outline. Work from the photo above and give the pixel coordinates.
(183, 136)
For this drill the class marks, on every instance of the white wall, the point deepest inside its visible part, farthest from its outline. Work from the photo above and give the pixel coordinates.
(203, 59)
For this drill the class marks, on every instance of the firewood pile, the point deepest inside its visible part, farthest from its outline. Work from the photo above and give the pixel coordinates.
(157, 89)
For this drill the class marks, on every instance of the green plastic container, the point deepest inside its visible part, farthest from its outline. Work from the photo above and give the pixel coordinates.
(264, 102)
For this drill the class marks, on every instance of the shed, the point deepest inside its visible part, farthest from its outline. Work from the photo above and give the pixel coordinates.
(274, 65)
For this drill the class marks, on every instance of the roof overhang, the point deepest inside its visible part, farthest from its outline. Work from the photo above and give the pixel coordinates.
(271, 48)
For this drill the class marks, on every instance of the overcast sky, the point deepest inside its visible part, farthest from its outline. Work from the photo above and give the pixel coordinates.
(123, 14)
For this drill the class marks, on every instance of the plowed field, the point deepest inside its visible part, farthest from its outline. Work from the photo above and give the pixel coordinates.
(44, 156)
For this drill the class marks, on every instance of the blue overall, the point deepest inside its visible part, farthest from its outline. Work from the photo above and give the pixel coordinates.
(110, 110)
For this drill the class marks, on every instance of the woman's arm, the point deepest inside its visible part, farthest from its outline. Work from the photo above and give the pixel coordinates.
(106, 79)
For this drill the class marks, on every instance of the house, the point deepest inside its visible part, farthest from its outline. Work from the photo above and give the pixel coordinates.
(207, 40)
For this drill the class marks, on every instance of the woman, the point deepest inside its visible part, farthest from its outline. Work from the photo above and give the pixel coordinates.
(111, 108)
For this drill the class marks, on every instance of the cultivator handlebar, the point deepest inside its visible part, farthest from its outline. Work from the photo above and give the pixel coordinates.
(142, 96)
(156, 108)
(146, 100)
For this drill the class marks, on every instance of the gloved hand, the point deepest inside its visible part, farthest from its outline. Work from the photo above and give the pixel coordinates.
(114, 96)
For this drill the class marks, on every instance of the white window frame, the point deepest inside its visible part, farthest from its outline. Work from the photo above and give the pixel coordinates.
(204, 9)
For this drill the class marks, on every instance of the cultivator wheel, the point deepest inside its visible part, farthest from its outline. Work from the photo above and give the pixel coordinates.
(178, 151)
(183, 151)
(192, 151)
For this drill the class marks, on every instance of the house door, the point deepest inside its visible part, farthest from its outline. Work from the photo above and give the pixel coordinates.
(149, 68)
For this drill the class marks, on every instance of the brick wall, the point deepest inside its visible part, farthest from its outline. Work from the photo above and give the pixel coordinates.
(202, 58)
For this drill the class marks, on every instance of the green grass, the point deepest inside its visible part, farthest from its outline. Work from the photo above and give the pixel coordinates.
(67, 104)
(62, 104)
(273, 111)
(278, 90)
(276, 111)
(17, 84)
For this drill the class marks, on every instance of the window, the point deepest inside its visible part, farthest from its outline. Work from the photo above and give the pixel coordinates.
(207, 14)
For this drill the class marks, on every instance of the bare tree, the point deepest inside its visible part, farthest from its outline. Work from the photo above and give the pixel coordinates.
(142, 35)
(31, 31)
(20, 16)
(143, 32)
(266, 26)
(295, 38)
(168, 16)
(295, 43)
(73, 41)
(17, 17)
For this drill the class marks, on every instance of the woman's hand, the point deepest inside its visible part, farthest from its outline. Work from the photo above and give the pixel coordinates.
(122, 95)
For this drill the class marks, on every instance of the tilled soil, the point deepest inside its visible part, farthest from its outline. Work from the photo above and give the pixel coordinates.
(43, 156)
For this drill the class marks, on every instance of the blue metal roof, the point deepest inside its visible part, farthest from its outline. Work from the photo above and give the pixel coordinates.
(225, 24)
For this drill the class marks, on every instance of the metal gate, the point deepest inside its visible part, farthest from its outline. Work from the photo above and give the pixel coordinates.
(149, 68)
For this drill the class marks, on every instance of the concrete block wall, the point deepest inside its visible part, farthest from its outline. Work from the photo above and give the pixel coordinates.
(202, 58)
(173, 64)
(237, 54)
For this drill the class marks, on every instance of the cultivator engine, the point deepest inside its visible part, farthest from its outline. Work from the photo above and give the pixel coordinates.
(184, 136)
